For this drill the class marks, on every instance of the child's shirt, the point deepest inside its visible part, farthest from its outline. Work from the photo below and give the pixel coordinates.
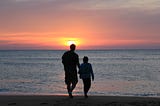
(86, 71)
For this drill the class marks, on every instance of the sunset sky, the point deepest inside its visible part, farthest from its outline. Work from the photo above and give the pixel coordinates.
(92, 24)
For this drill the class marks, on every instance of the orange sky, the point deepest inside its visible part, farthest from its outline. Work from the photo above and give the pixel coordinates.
(94, 24)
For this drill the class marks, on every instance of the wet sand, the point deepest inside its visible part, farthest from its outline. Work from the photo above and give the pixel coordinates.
(55, 100)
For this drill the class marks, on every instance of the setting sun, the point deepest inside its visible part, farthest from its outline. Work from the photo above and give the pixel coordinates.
(69, 42)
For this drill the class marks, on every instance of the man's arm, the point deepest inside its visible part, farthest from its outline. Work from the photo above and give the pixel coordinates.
(63, 59)
(78, 64)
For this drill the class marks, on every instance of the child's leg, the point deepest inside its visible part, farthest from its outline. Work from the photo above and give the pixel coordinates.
(87, 85)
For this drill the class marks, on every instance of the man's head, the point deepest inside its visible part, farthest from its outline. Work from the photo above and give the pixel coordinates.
(72, 47)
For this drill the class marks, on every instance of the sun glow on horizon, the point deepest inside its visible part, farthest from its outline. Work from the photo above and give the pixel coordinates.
(68, 41)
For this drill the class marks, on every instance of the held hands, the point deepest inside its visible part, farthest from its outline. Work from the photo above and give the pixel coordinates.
(92, 79)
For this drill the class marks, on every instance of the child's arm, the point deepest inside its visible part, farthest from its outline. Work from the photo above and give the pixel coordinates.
(80, 67)
(92, 72)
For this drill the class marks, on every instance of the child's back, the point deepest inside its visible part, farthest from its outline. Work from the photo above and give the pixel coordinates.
(85, 70)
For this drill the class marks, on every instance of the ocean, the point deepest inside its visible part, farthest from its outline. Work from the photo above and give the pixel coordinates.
(117, 72)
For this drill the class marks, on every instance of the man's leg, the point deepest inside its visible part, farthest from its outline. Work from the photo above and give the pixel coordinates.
(68, 83)
(73, 86)
(69, 88)
(74, 83)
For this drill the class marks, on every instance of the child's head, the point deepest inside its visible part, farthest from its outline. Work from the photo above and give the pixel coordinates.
(85, 59)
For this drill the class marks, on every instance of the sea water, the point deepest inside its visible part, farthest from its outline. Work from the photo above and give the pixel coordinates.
(117, 72)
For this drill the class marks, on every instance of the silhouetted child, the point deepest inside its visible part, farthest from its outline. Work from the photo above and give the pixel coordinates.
(86, 72)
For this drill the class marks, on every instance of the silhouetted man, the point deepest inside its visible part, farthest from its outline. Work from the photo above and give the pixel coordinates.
(70, 61)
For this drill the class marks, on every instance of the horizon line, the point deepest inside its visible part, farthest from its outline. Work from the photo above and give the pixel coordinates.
(78, 49)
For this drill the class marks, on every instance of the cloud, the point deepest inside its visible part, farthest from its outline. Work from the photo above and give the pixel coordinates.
(4, 41)
(99, 19)
(91, 4)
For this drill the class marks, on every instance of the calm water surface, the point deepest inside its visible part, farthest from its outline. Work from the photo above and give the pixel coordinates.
(117, 72)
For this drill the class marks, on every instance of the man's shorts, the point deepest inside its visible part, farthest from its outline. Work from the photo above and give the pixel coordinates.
(71, 78)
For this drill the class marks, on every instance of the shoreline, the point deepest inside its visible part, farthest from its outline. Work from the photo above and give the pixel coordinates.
(78, 100)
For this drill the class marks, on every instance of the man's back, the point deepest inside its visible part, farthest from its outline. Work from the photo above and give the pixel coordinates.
(70, 61)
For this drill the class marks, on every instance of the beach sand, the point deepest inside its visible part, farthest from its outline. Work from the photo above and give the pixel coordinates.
(53, 100)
